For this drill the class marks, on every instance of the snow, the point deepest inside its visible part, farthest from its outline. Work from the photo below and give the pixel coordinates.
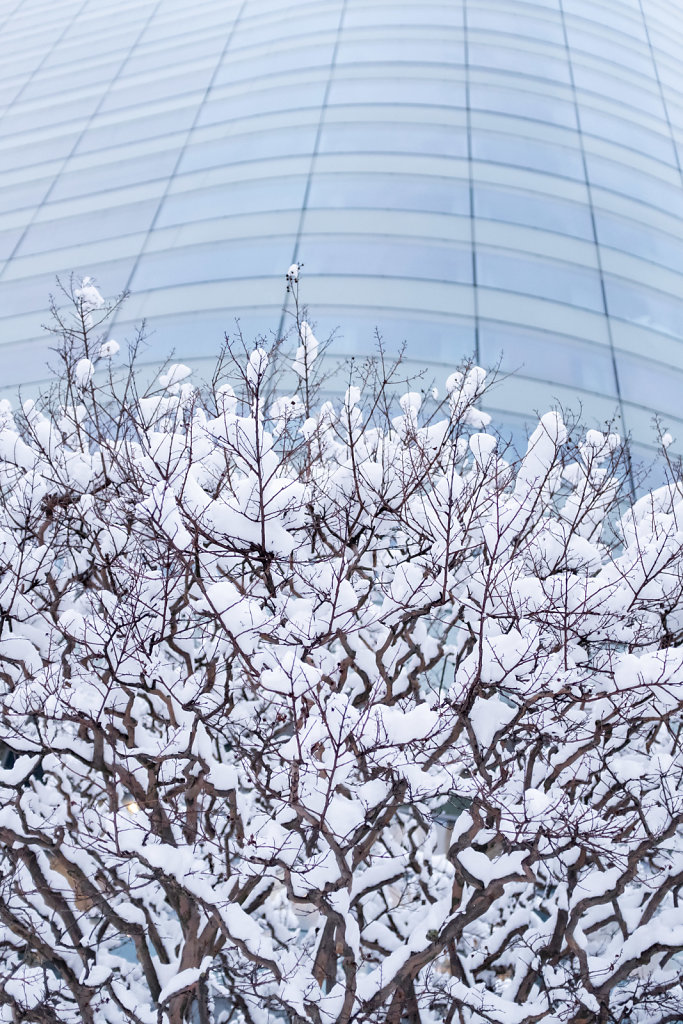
(183, 980)
(256, 366)
(21, 769)
(83, 373)
(108, 349)
(307, 352)
(176, 373)
(351, 686)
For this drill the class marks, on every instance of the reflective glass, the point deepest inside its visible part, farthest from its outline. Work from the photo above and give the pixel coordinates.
(259, 100)
(386, 258)
(397, 90)
(387, 192)
(102, 136)
(340, 130)
(255, 145)
(639, 379)
(18, 197)
(68, 231)
(521, 60)
(533, 210)
(523, 152)
(407, 137)
(547, 279)
(114, 174)
(241, 197)
(548, 357)
(625, 132)
(260, 258)
(644, 306)
(639, 240)
(617, 177)
(528, 104)
(390, 50)
(445, 342)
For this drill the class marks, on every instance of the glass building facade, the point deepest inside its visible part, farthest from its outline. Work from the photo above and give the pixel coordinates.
(497, 178)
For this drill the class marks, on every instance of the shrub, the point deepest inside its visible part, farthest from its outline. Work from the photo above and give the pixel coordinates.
(330, 712)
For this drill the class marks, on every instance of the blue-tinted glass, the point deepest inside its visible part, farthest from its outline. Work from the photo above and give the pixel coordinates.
(255, 145)
(18, 197)
(88, 227)
(390, 50)
(640, 379)
(112, 175)
(418, 90)
(260, 99)
(547, 279)
(232, 198)
(644, 306)
(550, 357)
(432, 139)
(632, 136)
(445, 342)
(214, 262)
(387, 192)
(388, 258)
(526, 104)
(103, 99)
(533, 210)
(103, 136)
(618, 177)
(639, 240)
(601, 83)
(521, 60)
(517, 151)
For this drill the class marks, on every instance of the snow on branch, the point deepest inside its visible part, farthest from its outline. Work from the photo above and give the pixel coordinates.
(330, 711)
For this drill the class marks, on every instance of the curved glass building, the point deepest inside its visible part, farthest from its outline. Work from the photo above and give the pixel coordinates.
(497, 178)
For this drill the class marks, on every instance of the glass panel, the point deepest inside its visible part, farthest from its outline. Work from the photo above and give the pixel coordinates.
(617, 177)
(384, 49)
(525, 104)
(644, 306)
(110, 176)
(640, 379)
(238, 68)
(526, 62)
(533, 210)
(19, 197)
(391, 258)
(216, 262)
(8, 239)
(240, 197)
(628, 134)
(630, 94)
(544, 279)
(255, 145)
(103, 136)
(369, 14)
(548, 357)
(639, 240)
(87, 227)
(397, 90)
(389, 192)
(258, 100)
(446, 341)
(631, 55)
(529, 153)
(397, 137)
(18, 152)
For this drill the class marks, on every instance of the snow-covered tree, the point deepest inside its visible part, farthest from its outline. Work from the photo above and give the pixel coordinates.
(330, 711)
